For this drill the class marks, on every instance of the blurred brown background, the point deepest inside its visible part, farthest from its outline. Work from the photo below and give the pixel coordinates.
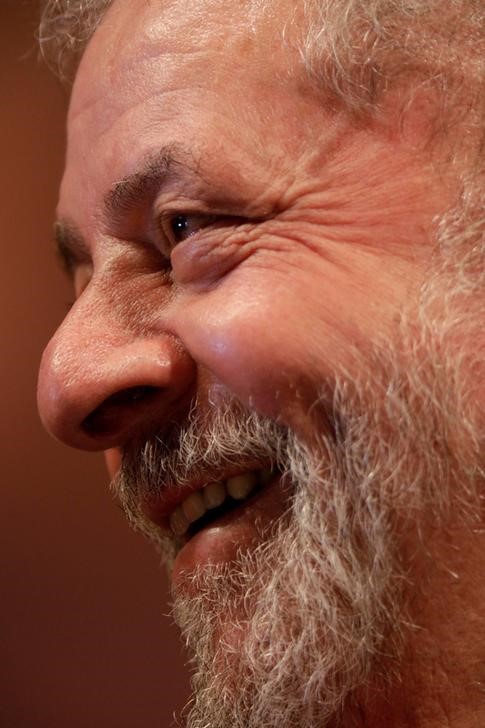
(84, 642)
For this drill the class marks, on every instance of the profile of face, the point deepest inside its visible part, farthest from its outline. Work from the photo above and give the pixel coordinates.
(266, 343)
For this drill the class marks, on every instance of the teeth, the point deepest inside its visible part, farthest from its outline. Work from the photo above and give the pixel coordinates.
(214, 495)
(194, 507)
(178, 523)
(240, 486)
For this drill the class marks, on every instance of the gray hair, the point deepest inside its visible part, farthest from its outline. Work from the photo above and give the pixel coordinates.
(65, 29)
(353, 50)
(360, 48)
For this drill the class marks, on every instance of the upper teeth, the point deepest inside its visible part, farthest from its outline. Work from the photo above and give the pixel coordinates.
(212, 495)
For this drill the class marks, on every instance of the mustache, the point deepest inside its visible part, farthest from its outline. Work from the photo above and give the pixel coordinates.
(222, 437)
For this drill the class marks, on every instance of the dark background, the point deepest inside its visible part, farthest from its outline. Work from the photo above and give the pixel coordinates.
(83, 639)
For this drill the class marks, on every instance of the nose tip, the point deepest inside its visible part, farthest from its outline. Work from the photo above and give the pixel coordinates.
(102, 396)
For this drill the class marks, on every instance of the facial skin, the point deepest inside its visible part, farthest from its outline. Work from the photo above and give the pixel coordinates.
(309, 238)
(301, 232)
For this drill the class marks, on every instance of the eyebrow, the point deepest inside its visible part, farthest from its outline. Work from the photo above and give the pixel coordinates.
(136, 188)
(123, 197)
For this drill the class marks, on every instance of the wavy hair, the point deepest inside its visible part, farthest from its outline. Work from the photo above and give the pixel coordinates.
(65, 29)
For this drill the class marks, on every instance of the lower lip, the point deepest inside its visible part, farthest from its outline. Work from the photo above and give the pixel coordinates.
(243, 528)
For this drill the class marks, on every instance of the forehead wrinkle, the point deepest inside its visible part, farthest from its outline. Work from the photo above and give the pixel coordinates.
(139, 34)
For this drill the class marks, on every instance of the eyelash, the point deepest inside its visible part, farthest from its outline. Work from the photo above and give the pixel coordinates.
(169, 220)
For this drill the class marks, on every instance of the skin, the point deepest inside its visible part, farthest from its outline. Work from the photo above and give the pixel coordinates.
(310, 236)
(339, 222)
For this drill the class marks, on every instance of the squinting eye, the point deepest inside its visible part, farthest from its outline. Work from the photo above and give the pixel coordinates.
(177, 228)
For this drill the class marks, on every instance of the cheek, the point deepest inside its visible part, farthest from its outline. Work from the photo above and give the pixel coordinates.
(276, 336)
(261, 342)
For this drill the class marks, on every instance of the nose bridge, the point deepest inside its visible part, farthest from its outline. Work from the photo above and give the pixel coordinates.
(103, 382)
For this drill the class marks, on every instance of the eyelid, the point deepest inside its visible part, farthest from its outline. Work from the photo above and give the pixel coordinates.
(207, 219)
(166, 218)
(212, 218)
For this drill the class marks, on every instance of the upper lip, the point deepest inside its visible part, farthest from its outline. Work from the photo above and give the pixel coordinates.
(158, 507)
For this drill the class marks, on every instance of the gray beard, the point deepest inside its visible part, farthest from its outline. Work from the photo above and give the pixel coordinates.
(282, 636)
(285, 635)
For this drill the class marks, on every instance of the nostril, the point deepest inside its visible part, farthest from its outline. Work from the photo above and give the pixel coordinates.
(106, 418)
(132, 394)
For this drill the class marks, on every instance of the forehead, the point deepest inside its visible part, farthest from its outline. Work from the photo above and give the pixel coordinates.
(140, 36)
(156, 71)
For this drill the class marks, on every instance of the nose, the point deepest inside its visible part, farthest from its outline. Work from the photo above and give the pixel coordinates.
(97, 391)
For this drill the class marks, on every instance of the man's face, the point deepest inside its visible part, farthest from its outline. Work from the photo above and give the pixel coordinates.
(237, 247)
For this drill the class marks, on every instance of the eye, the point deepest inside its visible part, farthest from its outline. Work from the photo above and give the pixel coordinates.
(179, 227)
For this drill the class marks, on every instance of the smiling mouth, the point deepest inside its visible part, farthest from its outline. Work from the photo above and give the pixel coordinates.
(215, 500)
